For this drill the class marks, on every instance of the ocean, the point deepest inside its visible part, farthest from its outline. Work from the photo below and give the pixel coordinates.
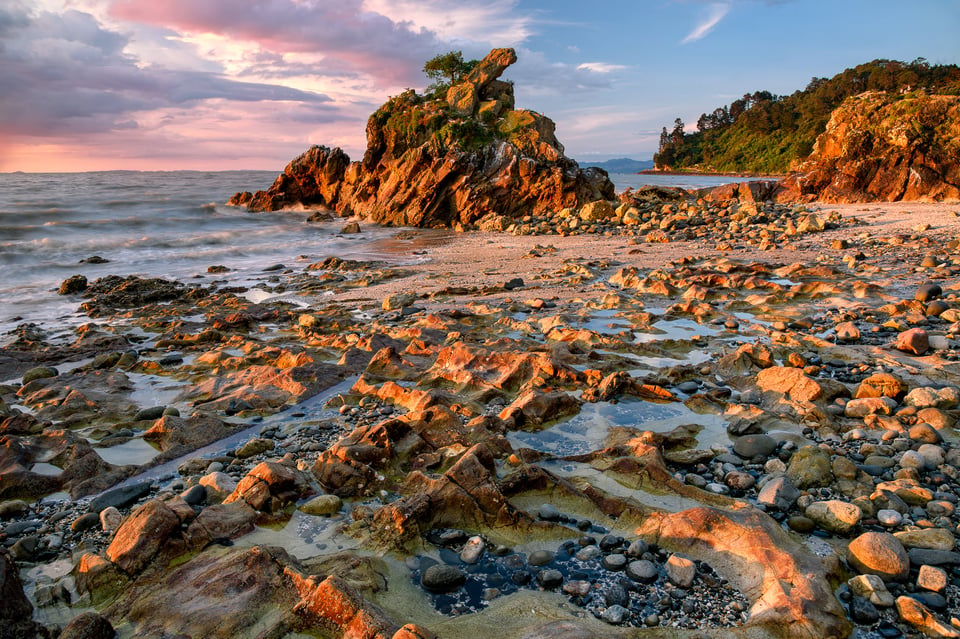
(167, 224)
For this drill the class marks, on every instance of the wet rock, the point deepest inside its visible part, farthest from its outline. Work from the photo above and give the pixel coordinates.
(915, 341)
(89, 625)
(614, 562)
(750, 446)
(73, 285)
(472, 550)
(549, 578)
(16, 611)
(441, 578)
(39, 372)
(548, 512)
(540, 558)
(879, 554)
(615, 614)
(642, 570)
(863, 612)
(141, 536)
(834, 515)
(322, 505)
(779, 493)
(85, 522)
(120, 497)
(810, 467)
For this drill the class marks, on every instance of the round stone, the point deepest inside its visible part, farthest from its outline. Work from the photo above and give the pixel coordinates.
(615, 561)
(442, 578)
(927, 292)
(615, 615)
(879, 554)
(548, 512)
(540, 558)
(642, 571)
(750, 446)
(889, 518)
(588, 553)
(637, 547)
(549, 579)
(322, 505)
(617, 595)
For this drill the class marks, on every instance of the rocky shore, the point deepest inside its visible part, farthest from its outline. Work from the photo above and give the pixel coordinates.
(656, 416)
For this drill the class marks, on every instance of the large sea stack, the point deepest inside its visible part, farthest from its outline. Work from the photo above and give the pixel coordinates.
(454, 159)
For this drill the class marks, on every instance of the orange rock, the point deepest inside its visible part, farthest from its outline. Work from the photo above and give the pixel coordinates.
(142, 535)
(789, 381)
(881, 385)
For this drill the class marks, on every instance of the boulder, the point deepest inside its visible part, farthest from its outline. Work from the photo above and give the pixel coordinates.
(834, 515)
(915, 341)
(141, 536)
(810, 467)
(917, 615)
(88, 625)
(789, 381)
(881, 385)
(879, 554)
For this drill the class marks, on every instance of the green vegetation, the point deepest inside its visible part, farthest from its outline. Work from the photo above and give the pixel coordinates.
(445, 70)
(766, 133)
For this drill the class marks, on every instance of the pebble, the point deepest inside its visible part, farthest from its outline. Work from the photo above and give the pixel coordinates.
(642, 570)
(540, 558)
(549, 579)
(442, 578)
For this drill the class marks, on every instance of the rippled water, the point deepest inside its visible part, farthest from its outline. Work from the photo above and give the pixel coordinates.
(159, 224)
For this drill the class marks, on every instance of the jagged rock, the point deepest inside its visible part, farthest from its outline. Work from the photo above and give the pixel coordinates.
(885, 147)
(440, 162)
(142, 535)
(16, 611)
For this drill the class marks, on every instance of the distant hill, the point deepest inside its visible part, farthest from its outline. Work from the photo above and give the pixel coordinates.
(620, 165)
(766, 133)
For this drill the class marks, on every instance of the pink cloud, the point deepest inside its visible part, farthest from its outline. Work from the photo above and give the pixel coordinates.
(350, 38)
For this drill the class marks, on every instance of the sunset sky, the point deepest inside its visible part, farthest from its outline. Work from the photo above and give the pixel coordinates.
(249, 84)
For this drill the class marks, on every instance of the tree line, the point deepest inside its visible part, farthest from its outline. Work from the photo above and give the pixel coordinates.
(765, 133)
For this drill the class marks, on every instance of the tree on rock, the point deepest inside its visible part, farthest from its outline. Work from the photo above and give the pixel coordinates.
(447, 69)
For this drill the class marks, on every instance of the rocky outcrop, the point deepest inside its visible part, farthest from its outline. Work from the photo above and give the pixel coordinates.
(442, 162)
(883, 147)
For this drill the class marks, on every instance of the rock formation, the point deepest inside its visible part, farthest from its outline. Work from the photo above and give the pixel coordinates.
(443, 161)
(883, 147)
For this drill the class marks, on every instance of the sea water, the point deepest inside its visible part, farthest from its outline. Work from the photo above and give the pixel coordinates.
(153, 224)
(170, 224)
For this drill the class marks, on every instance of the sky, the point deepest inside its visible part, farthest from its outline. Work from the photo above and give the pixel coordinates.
(249, 84)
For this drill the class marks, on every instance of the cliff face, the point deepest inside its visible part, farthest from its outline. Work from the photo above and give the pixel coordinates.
(442, 162)
(882, 147)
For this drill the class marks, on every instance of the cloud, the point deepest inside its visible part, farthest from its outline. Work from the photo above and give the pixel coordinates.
(343, 36)
(600, 67)
(710, 18)
(491, 23)
(66, 73)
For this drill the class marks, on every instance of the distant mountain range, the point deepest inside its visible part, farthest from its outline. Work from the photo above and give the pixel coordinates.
(620, 165)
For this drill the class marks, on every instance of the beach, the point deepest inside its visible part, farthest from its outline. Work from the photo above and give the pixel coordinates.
(489, 421)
